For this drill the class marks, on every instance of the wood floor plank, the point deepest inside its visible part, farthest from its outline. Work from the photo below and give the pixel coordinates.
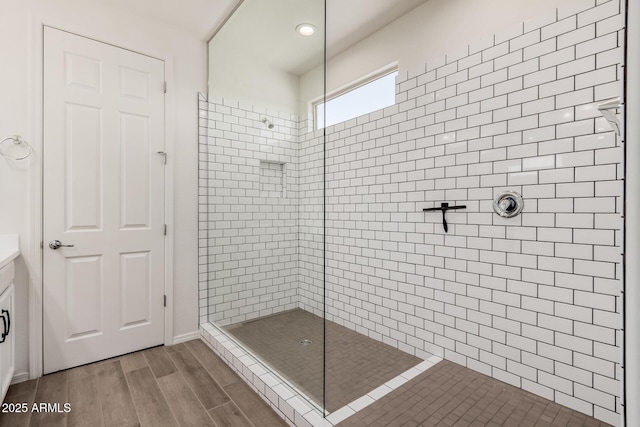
(152, 407)
(254, 408)
(88, 370)
(184, 404)
(82, 372)
(52, 388)
(173, 348)
(24, 392)
(24, 387)
(229, 415)
(131, 362)
(203, 385)
(104, 395)
(216, 367)
(115, 397)
(159, 361)
(84, 397)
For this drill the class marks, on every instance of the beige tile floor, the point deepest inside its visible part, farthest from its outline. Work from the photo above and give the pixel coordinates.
(452, 395)
(355, 363)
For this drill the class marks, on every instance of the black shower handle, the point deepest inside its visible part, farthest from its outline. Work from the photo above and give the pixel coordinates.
(444, 207)
(6, 325)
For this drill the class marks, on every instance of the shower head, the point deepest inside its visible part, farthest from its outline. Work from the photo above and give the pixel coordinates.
(267, 123)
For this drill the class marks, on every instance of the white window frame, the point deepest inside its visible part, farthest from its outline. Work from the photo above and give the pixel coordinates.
(363, 81)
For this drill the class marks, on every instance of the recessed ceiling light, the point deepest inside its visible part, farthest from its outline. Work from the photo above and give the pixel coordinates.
(306, 29)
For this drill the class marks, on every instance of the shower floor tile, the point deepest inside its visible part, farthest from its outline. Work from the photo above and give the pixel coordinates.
(449, 394)
(355, 364)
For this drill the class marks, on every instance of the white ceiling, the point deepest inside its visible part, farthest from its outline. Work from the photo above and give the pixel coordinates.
(265, 28)
(198, 18)
(265, 31)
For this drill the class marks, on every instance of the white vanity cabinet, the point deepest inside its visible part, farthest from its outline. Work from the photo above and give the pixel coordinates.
(7, 335)
(9, 250)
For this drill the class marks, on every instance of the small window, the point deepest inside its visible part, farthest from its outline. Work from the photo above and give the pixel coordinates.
(371, 96)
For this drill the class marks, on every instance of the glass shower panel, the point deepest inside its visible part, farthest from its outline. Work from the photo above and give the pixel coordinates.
(263, 194)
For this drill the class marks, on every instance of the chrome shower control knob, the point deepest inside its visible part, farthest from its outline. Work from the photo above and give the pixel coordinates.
(508, 204)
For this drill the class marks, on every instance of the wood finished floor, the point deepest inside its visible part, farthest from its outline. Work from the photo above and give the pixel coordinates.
(182, 385)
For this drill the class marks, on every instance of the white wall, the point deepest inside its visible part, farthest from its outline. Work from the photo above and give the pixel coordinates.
(233, 74)
(432, 29)
(18, 113)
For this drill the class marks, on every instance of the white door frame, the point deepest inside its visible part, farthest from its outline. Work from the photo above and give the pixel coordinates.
(34, 254)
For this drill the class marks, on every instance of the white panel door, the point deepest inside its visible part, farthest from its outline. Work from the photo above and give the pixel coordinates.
(103, 194)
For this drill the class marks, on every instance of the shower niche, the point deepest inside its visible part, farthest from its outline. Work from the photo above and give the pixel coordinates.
(273, 179)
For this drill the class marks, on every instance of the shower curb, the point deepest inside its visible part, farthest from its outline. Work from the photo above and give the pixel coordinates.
(283, 397)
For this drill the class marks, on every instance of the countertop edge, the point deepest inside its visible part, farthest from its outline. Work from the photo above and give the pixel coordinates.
(9, 248)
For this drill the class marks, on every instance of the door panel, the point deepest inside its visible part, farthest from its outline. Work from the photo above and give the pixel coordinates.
(103, 194)
(135, 171)
(136, 292)
(83, 71)
(83, 185)
(83, 302)
(134, 84)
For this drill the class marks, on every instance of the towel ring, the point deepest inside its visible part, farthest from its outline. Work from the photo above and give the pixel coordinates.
(17, 139)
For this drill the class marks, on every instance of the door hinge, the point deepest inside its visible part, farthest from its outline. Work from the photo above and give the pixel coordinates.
(165, 300)
(164, 87)
(41, 245)
(165, 229)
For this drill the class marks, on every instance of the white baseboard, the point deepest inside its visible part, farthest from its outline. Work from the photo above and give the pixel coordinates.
(186, 337)
(20, 378)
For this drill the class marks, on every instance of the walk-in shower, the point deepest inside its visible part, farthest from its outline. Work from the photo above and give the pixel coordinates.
(476, 219)
(264, 198)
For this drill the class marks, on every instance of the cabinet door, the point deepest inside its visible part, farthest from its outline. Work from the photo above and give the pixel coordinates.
(7, 357)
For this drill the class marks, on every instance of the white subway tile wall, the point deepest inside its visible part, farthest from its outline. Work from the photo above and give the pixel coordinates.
(532, 300)
(248, 212)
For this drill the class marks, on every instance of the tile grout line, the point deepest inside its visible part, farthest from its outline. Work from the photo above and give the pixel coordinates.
(126, 381)
(221, 388)
(165, 398)
(184, 379)
(175, 416)
(35, 392)
(391, 385)
(216, 382)
(100, 394)
(100, 397)
(250, 381)
(158, 384)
